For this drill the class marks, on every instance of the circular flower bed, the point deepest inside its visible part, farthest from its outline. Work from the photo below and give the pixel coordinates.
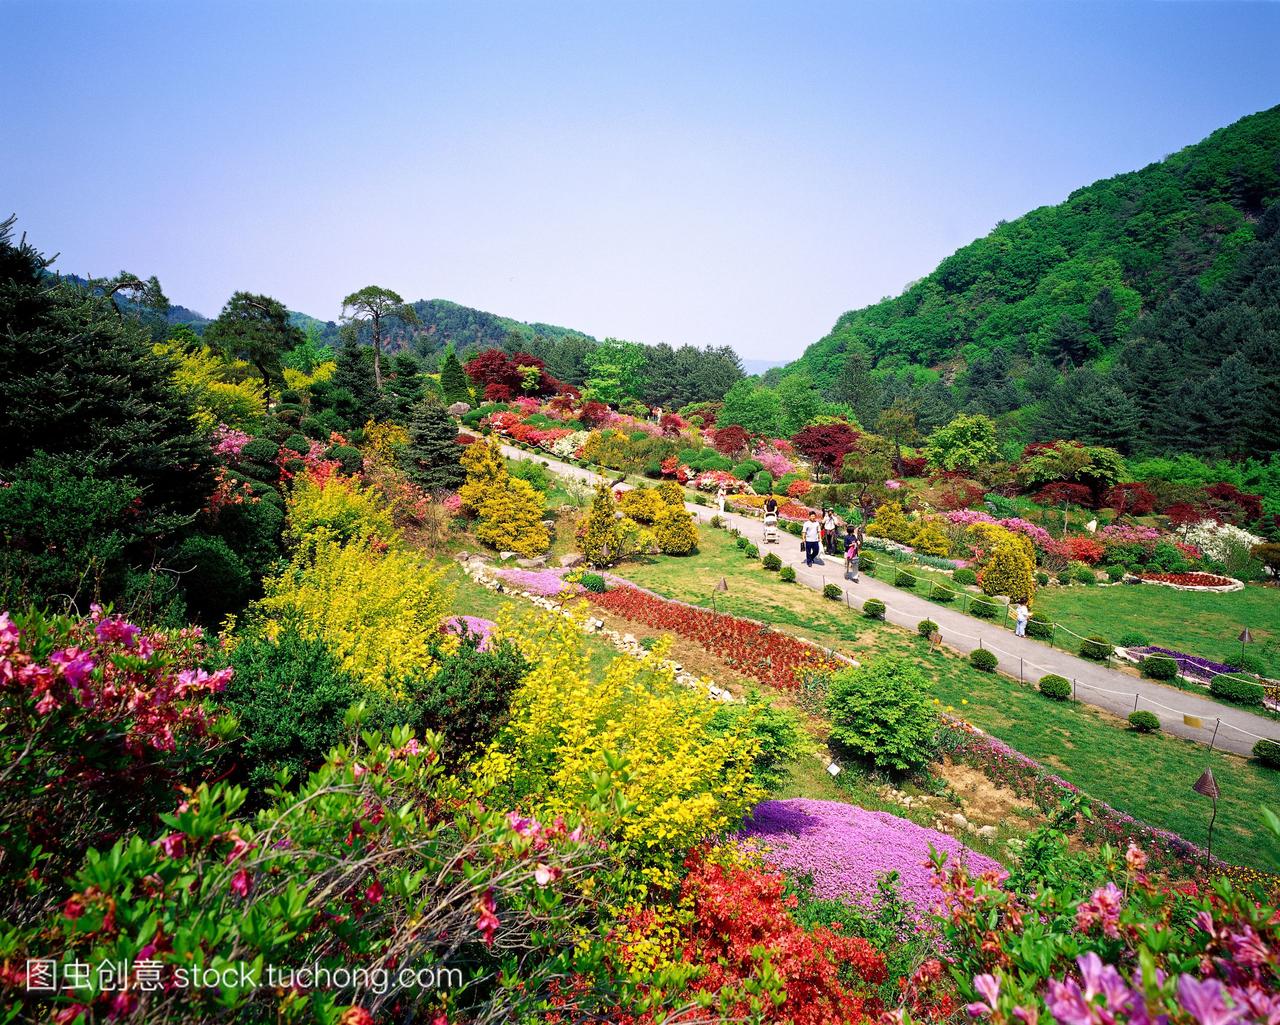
(1193, 581)
(847, 848)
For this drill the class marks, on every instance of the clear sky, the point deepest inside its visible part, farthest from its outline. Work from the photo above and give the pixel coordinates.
(703, 172)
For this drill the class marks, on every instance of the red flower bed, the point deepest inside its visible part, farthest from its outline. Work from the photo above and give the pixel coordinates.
(755, 650)
(1190, 579)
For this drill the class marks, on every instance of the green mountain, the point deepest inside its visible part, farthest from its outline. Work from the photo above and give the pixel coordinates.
(1059, 305)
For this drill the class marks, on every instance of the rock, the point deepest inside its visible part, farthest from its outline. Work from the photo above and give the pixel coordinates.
(987, 832)
(959, 820)
(538, 562)
(506, 555)
(572, 559)
(629, 639)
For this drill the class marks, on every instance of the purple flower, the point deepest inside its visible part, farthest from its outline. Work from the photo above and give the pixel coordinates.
(847, 848)
(988, 986)
(544, 582)
(474, 626)
(1203, 1000)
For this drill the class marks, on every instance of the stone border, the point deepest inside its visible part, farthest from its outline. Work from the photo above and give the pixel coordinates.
(1234, 585)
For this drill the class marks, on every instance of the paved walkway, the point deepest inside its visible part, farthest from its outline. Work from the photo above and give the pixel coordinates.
(1236, 729)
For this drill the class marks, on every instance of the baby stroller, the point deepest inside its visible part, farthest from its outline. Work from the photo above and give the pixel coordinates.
(771, 528)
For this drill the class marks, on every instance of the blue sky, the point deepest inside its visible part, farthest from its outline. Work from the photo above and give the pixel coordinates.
(704, 172)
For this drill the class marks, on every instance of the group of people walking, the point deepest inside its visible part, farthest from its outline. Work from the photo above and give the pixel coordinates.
(825, 533)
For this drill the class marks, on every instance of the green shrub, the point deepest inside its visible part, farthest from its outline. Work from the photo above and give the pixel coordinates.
(783, 739)
(904, 579)
(1039, 625)
(1056, 687)
(593, 582)
(772, 562)
(1268, 753)
(984, 609)
(534, 473)
(1115, 573)
(881, 712)
(215, 580)
(965, 577)
(787, 574)
(1144, 721)
(348, 459)
(1064, 576)
(1042, 579)
(741, 541)
(1246, 663)
(699, 498)
(716, 521)
(1095, 648)
(832, 591)
(926, 628)
(865, 563)
(762, 482)
(751, 551)
(981, 658)
(746, 469)
(943, 594)
(1159, 667)
(1085, 576)
(675, 531)
(289, 697)
(297, 443)
(1133, 639)
(1239, 690)
(873, 608)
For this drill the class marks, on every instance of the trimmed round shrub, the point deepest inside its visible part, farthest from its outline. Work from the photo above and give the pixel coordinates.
(1144, 722)
(984, 609)
(943, 594)
(926, 628)
(762, 483)
(1239, 690)
(593, 582)
(741, 541)
(292, 396)
(1056, 687)
(772, 562)
(865, 563)
(1064, 576)
(1085, 576)
(873, 608)
(297, 443)
(347, 457)
(261, 451)
(1159, 667)
(1246, 664)
(215, 580)
(1268, 753)
(1042, 579)
(1133, 639)
(904, 579)
(965, 577)
(699, 499)
(1039, 625)
(1115, 573)
(832, 591)
(981, 658)
(675, 531)
(787, 574)
(750, 551)
(1095, 648)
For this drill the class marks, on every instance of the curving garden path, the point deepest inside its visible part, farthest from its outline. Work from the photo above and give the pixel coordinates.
(1227, 728)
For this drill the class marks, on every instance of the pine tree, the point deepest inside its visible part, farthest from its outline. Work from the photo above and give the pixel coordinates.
(80, 379)
(858, 388)
(432, 458)
(453, 380)
(354, 374)
(1068, 345)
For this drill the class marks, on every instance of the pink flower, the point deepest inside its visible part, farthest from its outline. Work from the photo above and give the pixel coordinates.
(1135, 858)
(8, 632)
(46, 704)
(523, 826)
(241, 883)
(1102, 907)
(238, 850)
(487, 920)
(173, 845)
(545, 874)
(1203, 1000)
(375, 891)
(988, 986)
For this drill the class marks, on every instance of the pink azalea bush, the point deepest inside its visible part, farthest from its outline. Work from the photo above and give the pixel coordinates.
(228, 442)
(847, 848)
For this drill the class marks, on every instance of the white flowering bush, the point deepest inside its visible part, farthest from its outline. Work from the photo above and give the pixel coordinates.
(1221, 542)
(565, 447)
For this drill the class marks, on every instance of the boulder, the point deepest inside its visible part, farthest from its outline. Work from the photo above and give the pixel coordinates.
(572, 559)
(538, 562)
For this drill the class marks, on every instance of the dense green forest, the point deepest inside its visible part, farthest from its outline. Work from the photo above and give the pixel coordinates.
(1143, 313)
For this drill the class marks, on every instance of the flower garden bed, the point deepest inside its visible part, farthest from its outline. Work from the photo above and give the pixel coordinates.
(1193, 581)
(754, 649)
(846, 848)
(1201, 670)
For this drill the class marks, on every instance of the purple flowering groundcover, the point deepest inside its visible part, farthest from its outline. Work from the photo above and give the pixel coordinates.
(479, 628)
(545, 582)
(846, 848)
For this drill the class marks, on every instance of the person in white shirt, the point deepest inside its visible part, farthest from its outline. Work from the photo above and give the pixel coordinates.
(829, 531)
(812, 534)
(1021, 614)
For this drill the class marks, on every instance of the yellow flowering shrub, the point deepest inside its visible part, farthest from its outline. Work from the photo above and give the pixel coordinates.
(383, 440)
(510, 518)
(891, 522)
(632, 733)
(337, 510)
(675, 531)
(486, 470)
(931, 539)
(642, 504)
(379, 613)
(299, 381)
(222, 390)
(1009, 570)
(990, 535)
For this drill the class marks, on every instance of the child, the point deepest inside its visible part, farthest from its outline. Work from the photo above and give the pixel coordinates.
(851, 558)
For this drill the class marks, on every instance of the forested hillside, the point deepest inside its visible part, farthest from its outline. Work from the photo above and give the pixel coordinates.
(1069, 321)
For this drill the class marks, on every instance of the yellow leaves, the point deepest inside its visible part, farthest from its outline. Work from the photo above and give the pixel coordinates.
(510, 518)
(337, 510)
(486, 470)
(379, 614)
(299, 381)
(222, 390)
(679, 782)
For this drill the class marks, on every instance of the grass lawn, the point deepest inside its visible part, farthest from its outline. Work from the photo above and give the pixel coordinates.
(1203, 624)
(1148, 776)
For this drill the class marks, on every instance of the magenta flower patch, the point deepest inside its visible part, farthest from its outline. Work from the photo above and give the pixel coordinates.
(846, 848)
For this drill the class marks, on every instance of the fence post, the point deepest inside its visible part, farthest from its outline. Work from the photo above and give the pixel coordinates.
(1020, 679)
(1135, 702)
(1073, 688)
(979, 643)
(1053, 633)
(1004, 621)
(1216, 724)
